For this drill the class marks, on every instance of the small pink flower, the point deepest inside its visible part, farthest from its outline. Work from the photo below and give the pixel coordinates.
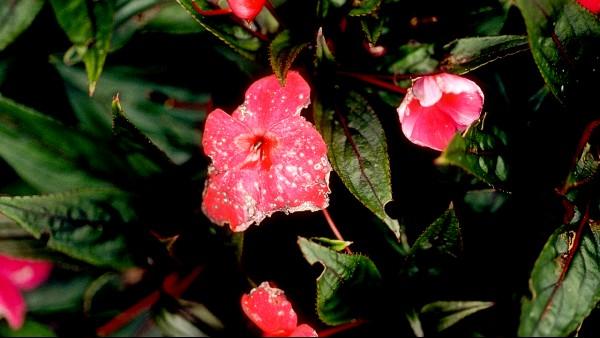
(270, 310)
(246, 9)
(591, 5)
(437, 106)
(265, 156)
(16, 275)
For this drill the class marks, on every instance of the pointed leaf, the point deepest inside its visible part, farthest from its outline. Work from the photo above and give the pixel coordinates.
(565, 281)
(233, 36)
(448, 313)
(282, 53)
(483, 153)
(565, 42)
(365, 7)
(469, 54)
(87, 224)
(89, 26)
(15, 17)
(443, 235)
(358, 153)
(348, 286)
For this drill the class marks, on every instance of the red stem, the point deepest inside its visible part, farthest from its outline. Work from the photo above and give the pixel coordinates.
(334, 229)
(585, 137)
(341, 328)
(210, 12)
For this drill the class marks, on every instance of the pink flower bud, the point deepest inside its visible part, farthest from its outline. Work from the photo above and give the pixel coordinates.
(436, 107)
(246, 9)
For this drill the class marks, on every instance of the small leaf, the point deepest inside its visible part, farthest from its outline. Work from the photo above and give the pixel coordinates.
(333, 244)
(323, 53)
(565, 281)
(90, 29)
(443, 235)
(349, 286)
(16, 17)
(373, 27)
(87, 224)
(448, 313)
(468, 54)
(282, 53)
(233, 36)
(358, 153)
(481, 153)
(415, 58)
(30, 329)
(364, 7)
(58, 296)
(565, 43)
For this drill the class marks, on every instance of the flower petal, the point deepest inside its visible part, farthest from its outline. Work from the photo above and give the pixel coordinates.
(591, 5)
(463, 108)
(12, 305)
(270, 310)
(427, 90)
(304, 330)
(268, 103)
(221, 140)
(454, 84)
(298, 178)
(232, 198)
(428, 126)
(26, 274)
(246, 9)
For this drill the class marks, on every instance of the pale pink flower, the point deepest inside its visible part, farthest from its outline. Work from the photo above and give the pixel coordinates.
(265, 156)
(271, 311)
(436, 107)
(16, 275)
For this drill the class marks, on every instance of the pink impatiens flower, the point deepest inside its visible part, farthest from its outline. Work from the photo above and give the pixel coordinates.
(270, 310)
(265, 156)
(437, 106)
(16, 275)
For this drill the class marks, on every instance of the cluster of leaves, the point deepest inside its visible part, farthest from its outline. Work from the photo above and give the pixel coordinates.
(102, 170)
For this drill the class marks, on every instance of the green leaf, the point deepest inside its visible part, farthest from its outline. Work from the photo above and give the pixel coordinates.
(186, 319)
(282, 53)
(233, 36)
(333, 244)
(443, 235)
(89, 26)
(323, 53)
(415, 58)
(140, 152)
(448, 313)
(29, 329)
(58, 296)
(565, 281)
(479, 152)
(565, 42)
(373, 27)
(364, 7)
(358, 153)
(57, 157)
(349, 286)
(15, 17)
(468, 54)
(87, 224)
(171, 117)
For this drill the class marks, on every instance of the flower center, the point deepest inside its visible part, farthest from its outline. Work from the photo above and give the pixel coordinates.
(259, 148)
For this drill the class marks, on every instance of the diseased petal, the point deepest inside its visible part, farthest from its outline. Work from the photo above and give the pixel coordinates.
(267, 103)
(223, 140)
(270, 310)
(26, 274)
(304, 330)
(427, 90)
(232, 198)
(12, 305)
(298, 178)
(430, 127)
(246, 9)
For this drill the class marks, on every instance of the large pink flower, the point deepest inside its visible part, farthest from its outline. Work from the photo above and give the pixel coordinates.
(270, 310)
(18, 274)
(265, 156)
(437, 106)
(591, 5)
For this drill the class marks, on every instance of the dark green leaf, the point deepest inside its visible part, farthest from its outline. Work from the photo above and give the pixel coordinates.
(480, 152)
(415, 58)
(29, 329)
(485, 200)
(448, 313)
(15, 17)
(443, 235)
(189, 319)
(171, 117)
(565, 42)
(140, 152)
(364, 7)
(348, 287)
(282, 53)
(323, 53)
(565, 281)
(87, 224)
(89, 26)
(358, 153)
(468, 54)
(234, 36)
(58, 296)
(373, 27)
